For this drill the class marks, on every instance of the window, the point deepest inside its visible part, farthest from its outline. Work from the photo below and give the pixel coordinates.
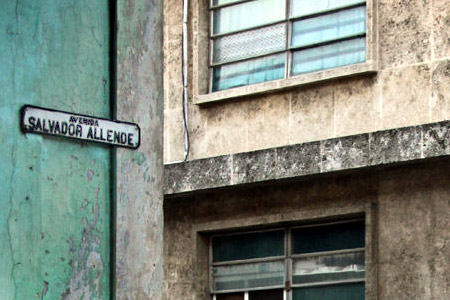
(317, 262)
(263, 40)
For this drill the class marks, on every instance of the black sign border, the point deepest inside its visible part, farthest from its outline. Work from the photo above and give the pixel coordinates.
(25, 130)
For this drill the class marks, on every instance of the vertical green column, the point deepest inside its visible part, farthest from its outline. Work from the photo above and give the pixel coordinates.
(54, 193)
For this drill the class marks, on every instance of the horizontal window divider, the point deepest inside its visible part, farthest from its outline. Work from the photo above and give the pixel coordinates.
(249, 289)
(327, 11)
(247, 58)
(346, 221)
(334, 41)
(247, 274)
(249, 261)
(327, 283)
(219, 35)
(214, 7)
(325, 253)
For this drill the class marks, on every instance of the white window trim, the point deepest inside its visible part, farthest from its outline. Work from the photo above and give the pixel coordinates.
(201, 56)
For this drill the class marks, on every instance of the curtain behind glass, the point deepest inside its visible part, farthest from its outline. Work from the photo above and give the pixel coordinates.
(308, 7)
(329, 27)
(247, 15)
(249, 72)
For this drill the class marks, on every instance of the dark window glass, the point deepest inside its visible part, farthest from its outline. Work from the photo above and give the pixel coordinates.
(249, 245)
(233, 296)
(328, 237)
(351, 291)
(266, 295)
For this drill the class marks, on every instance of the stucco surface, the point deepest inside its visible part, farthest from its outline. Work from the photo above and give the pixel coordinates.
(407, 212)
(412, 50)
(139, 218)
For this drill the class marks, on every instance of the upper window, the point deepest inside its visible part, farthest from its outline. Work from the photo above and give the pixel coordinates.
(320, 262)
(262, 40)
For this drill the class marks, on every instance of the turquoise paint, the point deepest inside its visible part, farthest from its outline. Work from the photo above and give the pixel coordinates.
(54, 216)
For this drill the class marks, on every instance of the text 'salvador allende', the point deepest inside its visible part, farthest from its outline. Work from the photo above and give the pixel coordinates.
(74, 128)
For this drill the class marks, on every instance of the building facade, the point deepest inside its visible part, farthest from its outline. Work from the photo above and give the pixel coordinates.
(306, 150)
(80, 220)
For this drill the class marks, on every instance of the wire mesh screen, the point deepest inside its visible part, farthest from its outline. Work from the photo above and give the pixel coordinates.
(249, 43)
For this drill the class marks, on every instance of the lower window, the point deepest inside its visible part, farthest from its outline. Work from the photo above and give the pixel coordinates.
(314, 262)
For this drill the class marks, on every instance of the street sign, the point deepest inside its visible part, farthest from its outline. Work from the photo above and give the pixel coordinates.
(71, 125)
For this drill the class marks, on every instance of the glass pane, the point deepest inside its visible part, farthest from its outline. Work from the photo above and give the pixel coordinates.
(247, 276)
(249, 43)
(266, 295)
(350, 291)
(249, 72)
(247, 15)
(328, 268)
(232, 296)
(328, 237)
(329, 56)
(329, 27)
(248, 245)
(308, 7)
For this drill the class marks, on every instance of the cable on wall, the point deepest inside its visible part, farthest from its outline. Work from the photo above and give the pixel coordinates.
(185, 78)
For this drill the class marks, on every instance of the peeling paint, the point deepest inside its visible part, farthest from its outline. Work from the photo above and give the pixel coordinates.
(55, 190)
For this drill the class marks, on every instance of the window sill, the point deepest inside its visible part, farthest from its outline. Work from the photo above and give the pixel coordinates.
(368, 67)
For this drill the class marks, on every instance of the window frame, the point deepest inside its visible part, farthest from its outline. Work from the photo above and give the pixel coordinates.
(288, 259)
(202, 73)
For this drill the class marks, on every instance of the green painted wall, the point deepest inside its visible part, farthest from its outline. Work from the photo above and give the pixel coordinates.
(54, 193)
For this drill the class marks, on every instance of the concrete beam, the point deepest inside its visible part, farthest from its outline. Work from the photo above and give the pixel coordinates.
(379, 148)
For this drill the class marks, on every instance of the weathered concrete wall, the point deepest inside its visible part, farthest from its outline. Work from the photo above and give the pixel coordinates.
(139, 173)
(361, 151)
(409, 88)
(409, 221)
(54, 199)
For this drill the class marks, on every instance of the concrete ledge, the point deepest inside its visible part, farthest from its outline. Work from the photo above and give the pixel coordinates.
(289, 162)
(368, 67)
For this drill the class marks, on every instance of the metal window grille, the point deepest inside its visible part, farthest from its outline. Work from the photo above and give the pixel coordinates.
(253, 41)
(294, 270)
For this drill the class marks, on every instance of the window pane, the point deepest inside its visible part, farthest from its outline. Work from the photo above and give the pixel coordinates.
(248, 245)
(266, 295)
(328, 237)
(249, 72)
(329, 56)
(247, 15)
(328, 268)
(232, 296)
(350, 291)
(245, 276)
(329, 27)
(308, 7)
(249, 43)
